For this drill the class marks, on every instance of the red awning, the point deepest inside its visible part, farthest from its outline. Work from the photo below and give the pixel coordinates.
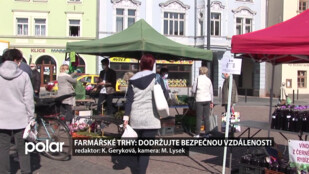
(286, 42)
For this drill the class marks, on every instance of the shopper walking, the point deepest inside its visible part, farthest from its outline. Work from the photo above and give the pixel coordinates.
(140, 107)
(203, 91)
(16, 109)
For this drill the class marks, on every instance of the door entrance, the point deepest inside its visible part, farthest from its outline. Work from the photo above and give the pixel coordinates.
(48, 69)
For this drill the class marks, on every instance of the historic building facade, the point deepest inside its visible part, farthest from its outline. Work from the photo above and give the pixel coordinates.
(185, 21)
(41, 29)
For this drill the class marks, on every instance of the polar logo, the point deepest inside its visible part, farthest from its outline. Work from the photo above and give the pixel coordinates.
(43, 147)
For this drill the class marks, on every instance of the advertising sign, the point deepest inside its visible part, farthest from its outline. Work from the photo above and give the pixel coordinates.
(299, 154)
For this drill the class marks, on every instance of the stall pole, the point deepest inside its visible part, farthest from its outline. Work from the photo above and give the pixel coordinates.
(227, 120)
(271, 97)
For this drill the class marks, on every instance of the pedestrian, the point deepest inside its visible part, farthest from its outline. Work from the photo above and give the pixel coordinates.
(203, 91)
(25, 67)
(225, 92)
(162, 78)
(17, 109)
(36, 80)
(283, 94)
(65, 86)
(107, 81)
(140, 109)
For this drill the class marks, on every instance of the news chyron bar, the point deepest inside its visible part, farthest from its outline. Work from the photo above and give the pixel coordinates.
(158, 146)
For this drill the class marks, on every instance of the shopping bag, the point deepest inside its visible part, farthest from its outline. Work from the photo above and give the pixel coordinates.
(129, 133)
(235, 117)
(213, 122)
(161, 103)
(288, 101)
(30, 133)
(192, 103)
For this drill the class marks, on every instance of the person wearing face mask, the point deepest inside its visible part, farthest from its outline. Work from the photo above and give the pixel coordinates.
(162, 79)
(225, 92)
(16, 109)
(107, 82)
(36, 80)
(65, 86)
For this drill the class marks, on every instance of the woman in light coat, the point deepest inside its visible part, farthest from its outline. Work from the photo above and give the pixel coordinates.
(203, 91)
(16, 109)
(65, 86)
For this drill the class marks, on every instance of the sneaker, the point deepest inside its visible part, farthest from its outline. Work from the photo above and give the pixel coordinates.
(196, 136)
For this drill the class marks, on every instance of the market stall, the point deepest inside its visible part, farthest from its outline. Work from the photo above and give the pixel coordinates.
(136, 40)
(286, 42)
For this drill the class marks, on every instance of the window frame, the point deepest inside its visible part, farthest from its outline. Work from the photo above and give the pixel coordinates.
(213, 23)
(40, 25)
(23, 25)
(302, 5)
(243, 25)
(125, 18)
(304, 77)
(175, 22)
(69, 27)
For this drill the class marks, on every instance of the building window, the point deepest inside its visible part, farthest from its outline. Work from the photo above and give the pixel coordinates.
(124, 18)
(174, 23)
(303, 5)
(131, 17)
(119, 19)
(243, 25)
(22, 26)
(40, 27)
(74, 27)
(301, 79)
(215, 24)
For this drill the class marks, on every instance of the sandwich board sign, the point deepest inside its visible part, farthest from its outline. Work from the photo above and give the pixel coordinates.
(230, 65)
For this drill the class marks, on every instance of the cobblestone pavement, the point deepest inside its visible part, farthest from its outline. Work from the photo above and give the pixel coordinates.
(200, 160)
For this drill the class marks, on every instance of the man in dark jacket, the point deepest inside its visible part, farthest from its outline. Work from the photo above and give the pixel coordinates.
(36, 80)
(225, 91)
(107, 82)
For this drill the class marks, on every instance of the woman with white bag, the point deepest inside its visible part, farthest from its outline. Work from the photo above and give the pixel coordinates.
(140, 108)
(203, 90)
(17, 109)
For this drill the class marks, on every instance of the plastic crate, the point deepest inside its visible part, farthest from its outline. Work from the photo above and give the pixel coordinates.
(167, 131)
(250, 169)
(268, 171)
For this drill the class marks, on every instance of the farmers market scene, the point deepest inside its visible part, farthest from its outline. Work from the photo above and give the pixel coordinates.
(154, 86)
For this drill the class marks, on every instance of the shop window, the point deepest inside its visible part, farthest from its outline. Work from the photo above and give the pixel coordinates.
(178, 75)
(301, 79)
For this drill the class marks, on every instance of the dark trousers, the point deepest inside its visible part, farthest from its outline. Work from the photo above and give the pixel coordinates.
(143, 160)
(108, 98)
(5, 142)
(202, 113)
(67, 111)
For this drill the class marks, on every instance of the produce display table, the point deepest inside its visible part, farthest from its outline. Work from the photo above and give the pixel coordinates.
(265, 126)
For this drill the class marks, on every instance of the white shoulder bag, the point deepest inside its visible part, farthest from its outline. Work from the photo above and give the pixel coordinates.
(161, 103)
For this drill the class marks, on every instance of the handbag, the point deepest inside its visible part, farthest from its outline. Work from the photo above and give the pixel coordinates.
(30, 133)
(160, 101)
(191, 100)
(213, 122)
(129, 133)
(288, 101)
